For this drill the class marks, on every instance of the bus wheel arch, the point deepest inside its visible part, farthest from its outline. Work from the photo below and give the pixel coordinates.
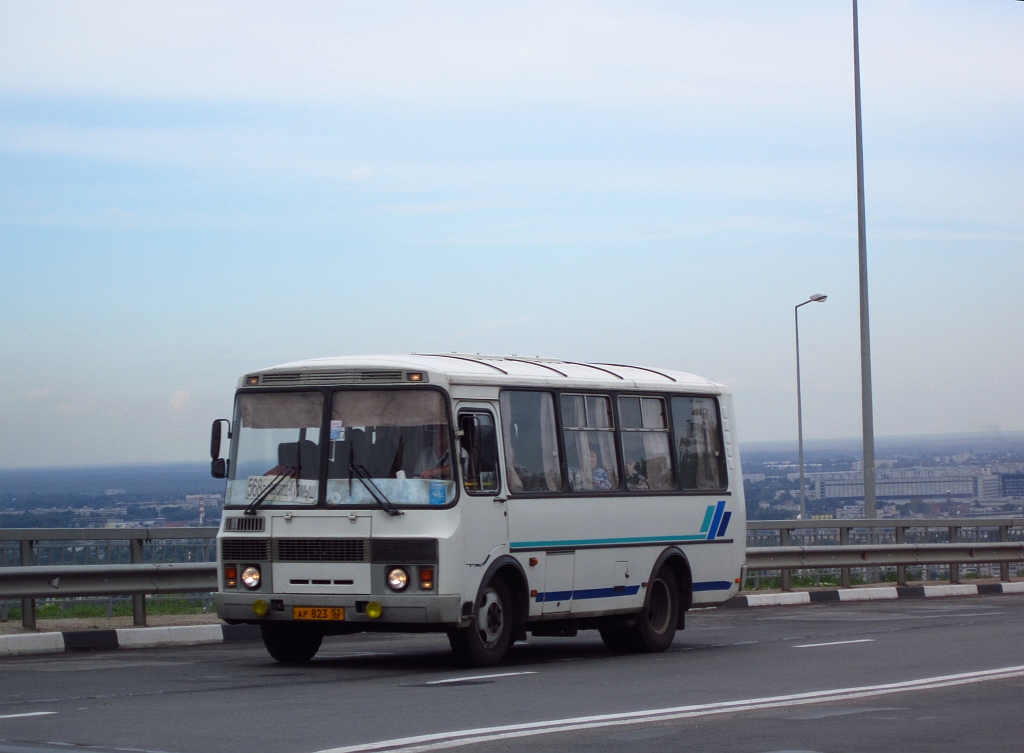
(680, 566)
(502, 594)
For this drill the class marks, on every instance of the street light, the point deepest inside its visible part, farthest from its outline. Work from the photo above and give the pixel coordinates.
(816, 298)
(867, 410)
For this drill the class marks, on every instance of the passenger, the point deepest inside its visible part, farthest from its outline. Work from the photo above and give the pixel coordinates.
(434, 460)
(599, 474)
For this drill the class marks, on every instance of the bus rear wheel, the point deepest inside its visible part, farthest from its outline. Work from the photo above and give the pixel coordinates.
(486, 641)
(656, 625)
(291, 644)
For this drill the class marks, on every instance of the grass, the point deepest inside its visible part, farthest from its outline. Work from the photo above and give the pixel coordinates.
(56, 610)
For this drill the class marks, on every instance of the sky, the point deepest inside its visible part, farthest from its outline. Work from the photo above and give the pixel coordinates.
(193, 190)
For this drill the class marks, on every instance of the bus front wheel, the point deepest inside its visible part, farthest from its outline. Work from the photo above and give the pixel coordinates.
(486, 641)
(291, 644)
(656, 626)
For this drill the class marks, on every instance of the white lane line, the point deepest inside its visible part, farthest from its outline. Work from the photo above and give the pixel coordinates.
(30, 713)
(477, 677)
(442, 740)
(834, 643)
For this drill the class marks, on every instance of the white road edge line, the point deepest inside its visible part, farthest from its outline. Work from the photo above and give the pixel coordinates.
(834, 643)
(476, 677)
(442, 740)
(30, 713)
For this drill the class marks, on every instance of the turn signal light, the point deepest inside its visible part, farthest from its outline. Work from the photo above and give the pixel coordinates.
(230, 576)
(426, 578)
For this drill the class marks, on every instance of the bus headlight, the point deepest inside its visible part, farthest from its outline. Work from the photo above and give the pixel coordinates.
(398, 579)
(251, 577)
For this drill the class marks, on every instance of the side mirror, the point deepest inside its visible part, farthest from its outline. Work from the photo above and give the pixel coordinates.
(219, 465)
(219, 468)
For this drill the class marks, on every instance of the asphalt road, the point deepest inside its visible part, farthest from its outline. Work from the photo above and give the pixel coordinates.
(823, 677)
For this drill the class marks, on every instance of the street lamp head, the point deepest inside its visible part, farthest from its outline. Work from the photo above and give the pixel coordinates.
(819, 297)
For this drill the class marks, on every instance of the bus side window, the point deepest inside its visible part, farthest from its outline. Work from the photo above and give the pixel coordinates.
(699, 449)
(589, 443)
(478, 453)
(532, 459)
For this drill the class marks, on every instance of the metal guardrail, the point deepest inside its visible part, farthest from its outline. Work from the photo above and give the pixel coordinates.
(882, 542)
(793, 545)
(138, 578)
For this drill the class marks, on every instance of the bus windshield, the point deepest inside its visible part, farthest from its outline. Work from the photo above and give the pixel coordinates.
(399, 439)
(391, 442)
(276, 449)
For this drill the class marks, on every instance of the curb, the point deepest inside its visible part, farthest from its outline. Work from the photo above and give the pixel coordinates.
(872, 593)
(24, 644)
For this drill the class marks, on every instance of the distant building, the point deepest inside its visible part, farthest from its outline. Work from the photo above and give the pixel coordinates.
(1013, 485)
(946, 481)
(754, 477)
(988, 486)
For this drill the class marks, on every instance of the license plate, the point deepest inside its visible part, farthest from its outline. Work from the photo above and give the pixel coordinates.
(318, 613)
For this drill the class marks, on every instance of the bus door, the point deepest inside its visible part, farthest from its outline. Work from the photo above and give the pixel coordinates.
(484, 514)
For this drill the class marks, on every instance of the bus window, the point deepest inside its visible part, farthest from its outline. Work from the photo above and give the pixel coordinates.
(277, 452)
(478, 454)
(398, 438)
(589, 443)
(531, 444)
(698, 443)
(645, 445)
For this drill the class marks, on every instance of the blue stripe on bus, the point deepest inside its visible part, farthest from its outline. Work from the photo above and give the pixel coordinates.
(588, 593)
(725, 524)
(712, 585)
(719, 508)
(585, 542)
(707, 519)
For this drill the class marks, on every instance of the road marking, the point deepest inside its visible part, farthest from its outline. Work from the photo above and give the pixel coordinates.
(442, 740)
(30, 713)
(477, 677)
(834, 643)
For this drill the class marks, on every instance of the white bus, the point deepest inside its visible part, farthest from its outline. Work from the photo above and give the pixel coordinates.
(488, 497)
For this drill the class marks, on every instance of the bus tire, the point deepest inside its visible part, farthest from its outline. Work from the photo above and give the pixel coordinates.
(291, 644)
(620, 640)
(486, 641)
(655, 626)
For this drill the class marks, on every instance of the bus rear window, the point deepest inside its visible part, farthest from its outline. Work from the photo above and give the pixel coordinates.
(531, 441)
(699, 450)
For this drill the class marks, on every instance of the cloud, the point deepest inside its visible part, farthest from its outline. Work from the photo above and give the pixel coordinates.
(39, 395)
(180, 400)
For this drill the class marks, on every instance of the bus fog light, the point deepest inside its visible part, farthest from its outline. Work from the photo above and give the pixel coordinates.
(374, 610)
(260, 608)
(398, 579)
(251, 577)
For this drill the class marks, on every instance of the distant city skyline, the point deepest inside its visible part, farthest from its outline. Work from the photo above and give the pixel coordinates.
(189, 192)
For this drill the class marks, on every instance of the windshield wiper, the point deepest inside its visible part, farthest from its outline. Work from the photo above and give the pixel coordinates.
(290, 471)
(379, 497)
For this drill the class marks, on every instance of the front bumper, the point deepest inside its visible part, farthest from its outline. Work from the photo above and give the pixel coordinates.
(408, 609)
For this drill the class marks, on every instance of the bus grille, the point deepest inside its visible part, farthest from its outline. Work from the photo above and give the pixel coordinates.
(321, 550)
(245, 550)
(244, 524)
(405, 551)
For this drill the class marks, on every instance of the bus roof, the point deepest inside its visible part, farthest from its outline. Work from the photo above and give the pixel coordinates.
(466, 368)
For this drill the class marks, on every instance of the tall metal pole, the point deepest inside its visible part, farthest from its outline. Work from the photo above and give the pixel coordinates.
(867, 412)
(799, 416)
